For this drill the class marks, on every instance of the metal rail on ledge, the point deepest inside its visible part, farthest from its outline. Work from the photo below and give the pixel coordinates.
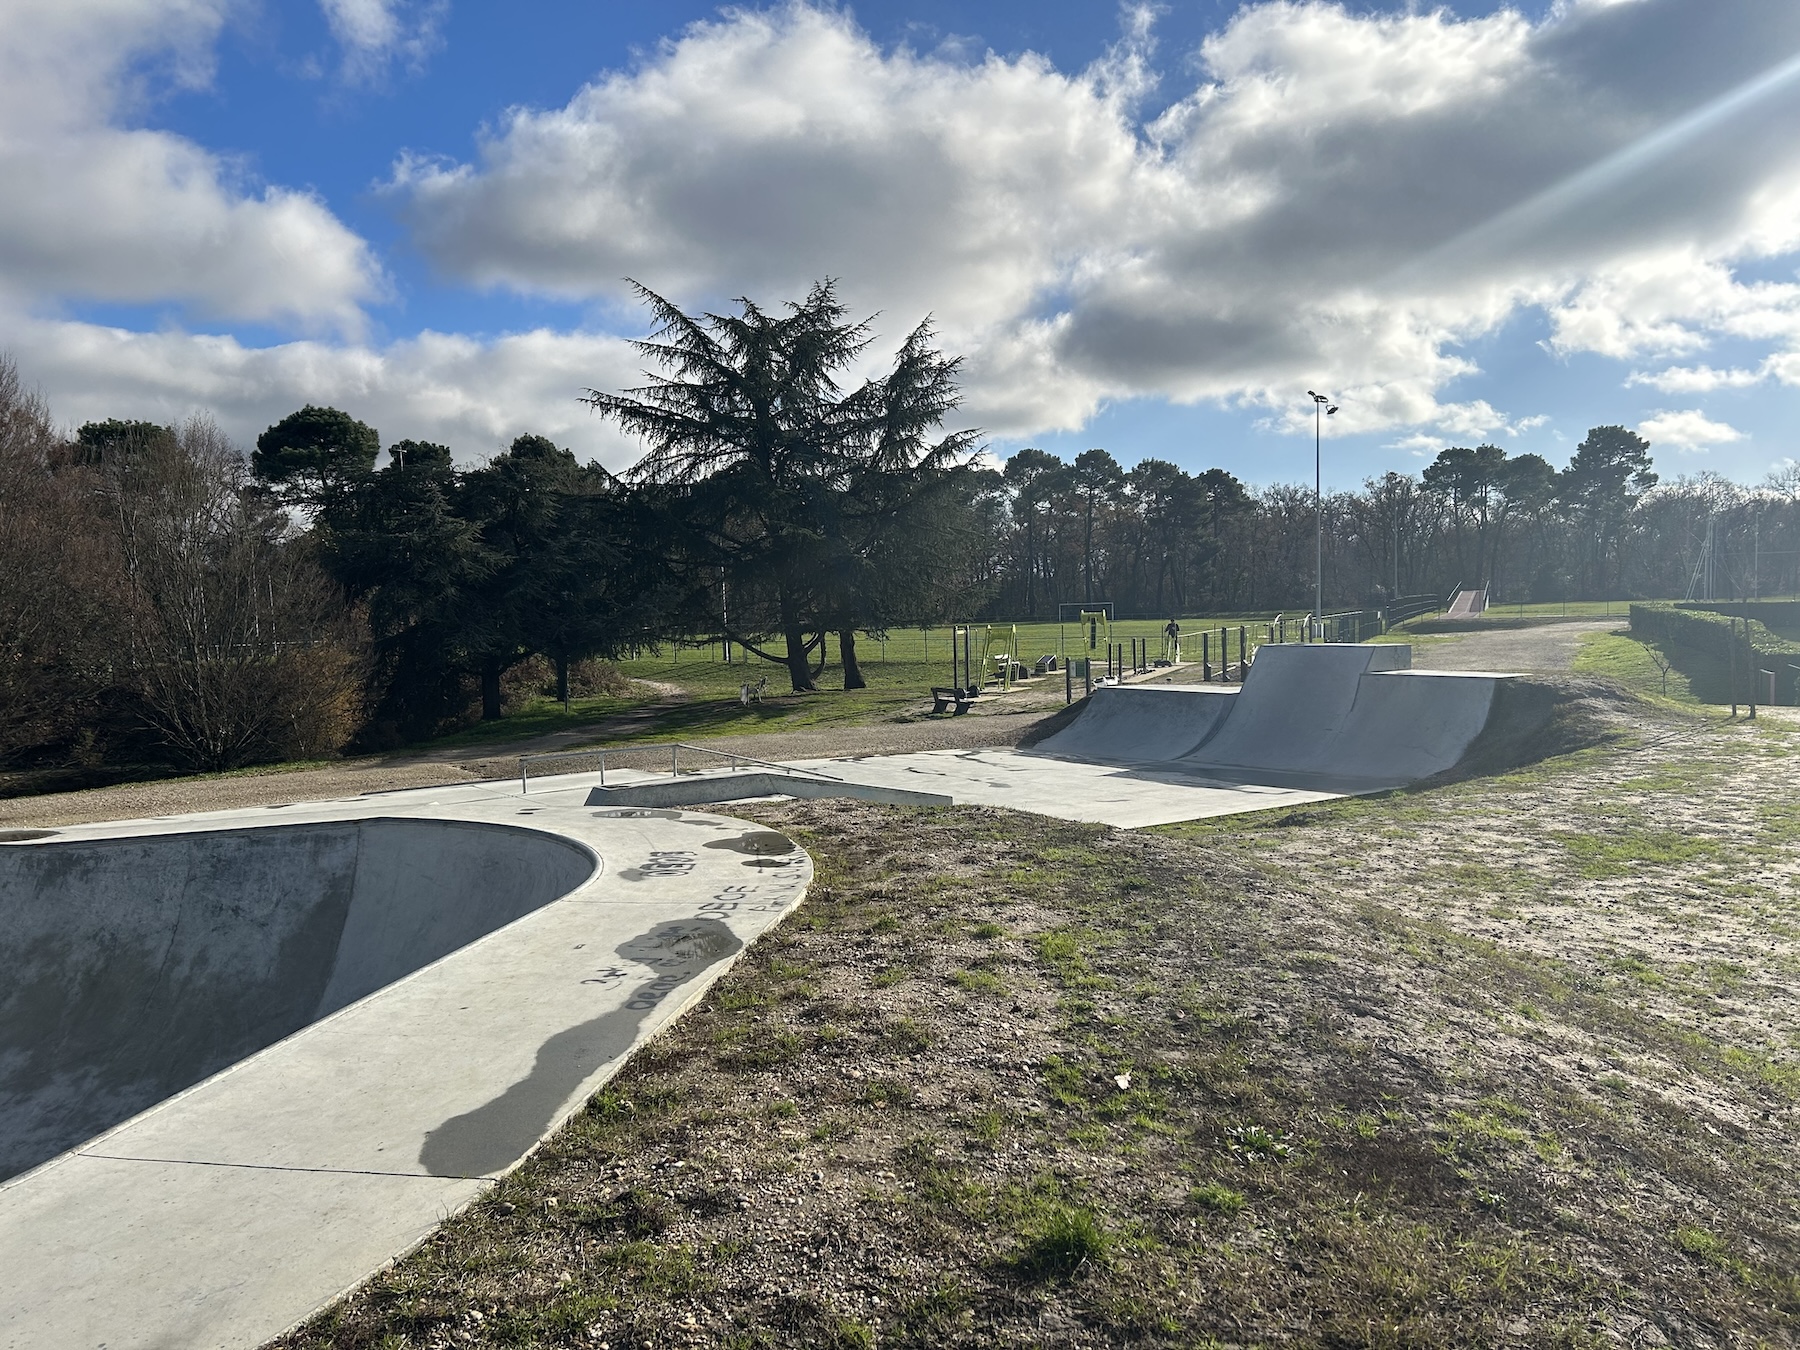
(674, 747)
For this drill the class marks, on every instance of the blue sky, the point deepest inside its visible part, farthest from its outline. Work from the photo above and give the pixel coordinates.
(1151, 229)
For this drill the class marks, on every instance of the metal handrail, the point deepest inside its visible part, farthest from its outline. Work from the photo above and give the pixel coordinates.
(674, 747)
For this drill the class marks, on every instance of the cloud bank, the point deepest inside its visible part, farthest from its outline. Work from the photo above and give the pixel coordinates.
(1314, 197)
(95, 209)
(1338, 196)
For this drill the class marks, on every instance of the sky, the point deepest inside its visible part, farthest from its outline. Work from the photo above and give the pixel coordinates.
(1149, 228)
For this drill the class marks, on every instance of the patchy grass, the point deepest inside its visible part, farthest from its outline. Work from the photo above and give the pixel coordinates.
(1302, 1079)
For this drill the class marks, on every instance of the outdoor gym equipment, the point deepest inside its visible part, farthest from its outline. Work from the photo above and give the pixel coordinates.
(1095, 619)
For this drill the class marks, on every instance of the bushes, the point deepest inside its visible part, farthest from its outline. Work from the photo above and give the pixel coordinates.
(535, 677)
(1708, 635)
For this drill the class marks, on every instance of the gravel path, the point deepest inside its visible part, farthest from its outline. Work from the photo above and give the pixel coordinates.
(1546, 650)
(169, 797)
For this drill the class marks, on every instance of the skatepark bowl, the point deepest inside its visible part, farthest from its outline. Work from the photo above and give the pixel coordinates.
(246, 1059)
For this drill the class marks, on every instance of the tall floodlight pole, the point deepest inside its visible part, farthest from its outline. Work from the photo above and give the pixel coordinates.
(1322, 408)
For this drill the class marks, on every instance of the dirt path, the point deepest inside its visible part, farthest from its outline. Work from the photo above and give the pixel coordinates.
(1546, 650)
(620, 726)
(179, 796)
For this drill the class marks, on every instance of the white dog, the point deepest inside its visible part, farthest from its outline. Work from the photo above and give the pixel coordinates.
(753, 693)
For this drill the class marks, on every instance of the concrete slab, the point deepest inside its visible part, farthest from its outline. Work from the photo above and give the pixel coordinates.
(1126, 796)
(239, 1205)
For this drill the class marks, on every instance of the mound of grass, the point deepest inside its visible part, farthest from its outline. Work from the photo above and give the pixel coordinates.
(1060, 1243)
(1643, 667)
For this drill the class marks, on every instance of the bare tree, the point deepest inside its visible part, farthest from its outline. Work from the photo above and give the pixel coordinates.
(241, 648)
(61, 603)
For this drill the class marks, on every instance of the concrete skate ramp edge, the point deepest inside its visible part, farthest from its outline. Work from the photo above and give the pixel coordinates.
(1142, 723)
(136, 967)
(1347, 717)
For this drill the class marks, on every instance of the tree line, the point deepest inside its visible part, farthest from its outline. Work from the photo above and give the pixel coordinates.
(166, 598)
(1156, 540)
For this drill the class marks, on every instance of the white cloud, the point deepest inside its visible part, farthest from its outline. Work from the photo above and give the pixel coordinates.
(1690, 431)
(1696, 379)
(1466, 424)
(472, 395)
(1342, 198)
(94, 209)
(1328, 198)
(374, 33)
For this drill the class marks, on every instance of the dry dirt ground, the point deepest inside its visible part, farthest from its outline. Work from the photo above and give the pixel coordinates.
(1543, 650)
(1510, 1062)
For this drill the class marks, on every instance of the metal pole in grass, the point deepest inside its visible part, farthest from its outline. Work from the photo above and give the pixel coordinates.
(1750, 666)
(1731, 665)
(1322, 408)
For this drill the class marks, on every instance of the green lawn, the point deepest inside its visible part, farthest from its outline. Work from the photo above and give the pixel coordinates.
(1618, 656)
(916, 658)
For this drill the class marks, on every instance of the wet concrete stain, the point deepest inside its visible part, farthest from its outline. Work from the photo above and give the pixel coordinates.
(494, 1136)
(760, 843)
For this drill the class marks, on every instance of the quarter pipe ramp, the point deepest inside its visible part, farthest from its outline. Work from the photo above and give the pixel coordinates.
(1338, 717)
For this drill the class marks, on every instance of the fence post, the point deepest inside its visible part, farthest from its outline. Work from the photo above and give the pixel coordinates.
(1750, 665)
(1205, 657)
(1731, 664)
(1068, 682)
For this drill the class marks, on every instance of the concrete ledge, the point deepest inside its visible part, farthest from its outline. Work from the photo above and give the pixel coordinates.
(732, 787)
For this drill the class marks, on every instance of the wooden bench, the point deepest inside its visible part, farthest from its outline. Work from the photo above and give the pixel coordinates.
(948, 698)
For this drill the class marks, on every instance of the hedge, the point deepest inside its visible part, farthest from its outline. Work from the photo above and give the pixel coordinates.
(1709, 633)
(1774, 613)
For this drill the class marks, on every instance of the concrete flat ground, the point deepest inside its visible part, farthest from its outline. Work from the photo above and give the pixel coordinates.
(1126, 796)
(1546, 650)
(232, 1210)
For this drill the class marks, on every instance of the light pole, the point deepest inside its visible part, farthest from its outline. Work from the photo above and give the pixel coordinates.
(1322, 408)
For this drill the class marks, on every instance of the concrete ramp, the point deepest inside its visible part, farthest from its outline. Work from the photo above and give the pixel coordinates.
(1295, 704)
(1140, 723)
(1346, 713)
(1332, 717)
(136, 967)
(1467, 605)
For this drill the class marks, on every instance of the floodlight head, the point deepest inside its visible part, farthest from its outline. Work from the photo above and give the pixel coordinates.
(1331, 410)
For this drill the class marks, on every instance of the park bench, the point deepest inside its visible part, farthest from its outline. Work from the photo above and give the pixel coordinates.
(948, 698)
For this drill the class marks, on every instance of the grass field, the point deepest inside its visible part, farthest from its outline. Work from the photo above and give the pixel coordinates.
(912, 654)
(695, 689)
